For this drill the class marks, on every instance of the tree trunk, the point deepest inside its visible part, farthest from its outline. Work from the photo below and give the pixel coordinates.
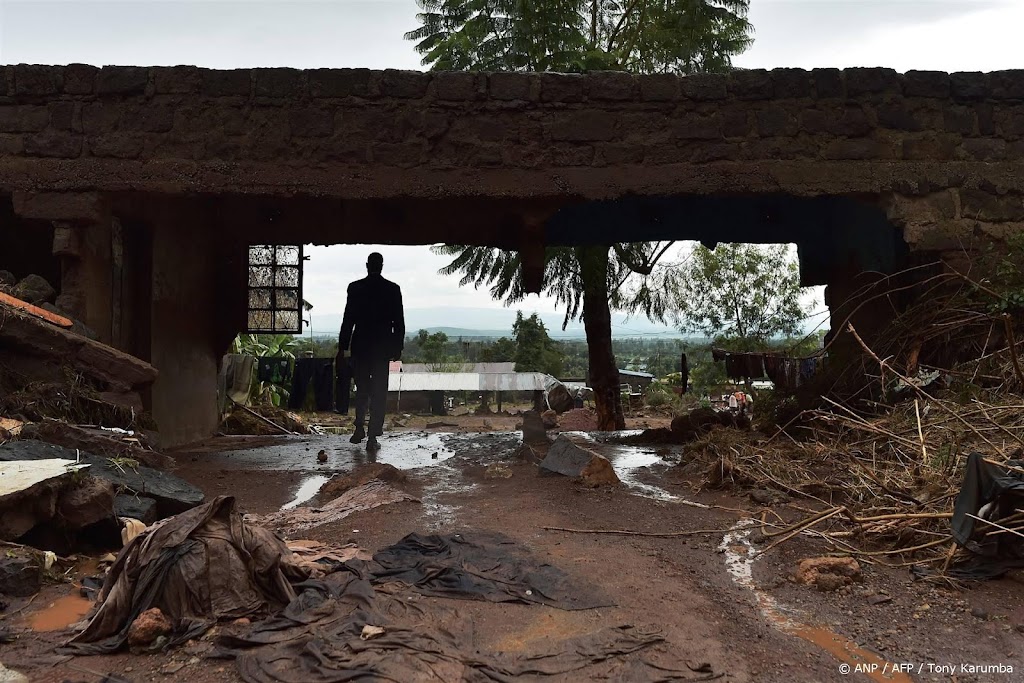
(597, 320)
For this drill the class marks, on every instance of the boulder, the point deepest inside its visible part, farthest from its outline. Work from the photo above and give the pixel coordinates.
(7, 279)
(147, 627)
(90, 500)
(533, 429)
(573, 455)
(559, 398)
(550, 419)
(690, 425)
(34, 290)
(20, 576)
(828, 573)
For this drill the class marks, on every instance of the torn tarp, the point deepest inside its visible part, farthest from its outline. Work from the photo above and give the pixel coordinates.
(197, 567)
(479, 566)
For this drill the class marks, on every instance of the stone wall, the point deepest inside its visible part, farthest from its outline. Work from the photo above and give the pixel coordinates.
(362, 133)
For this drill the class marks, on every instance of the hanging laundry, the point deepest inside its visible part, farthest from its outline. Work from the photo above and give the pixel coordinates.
(274, 370)
(320, 373)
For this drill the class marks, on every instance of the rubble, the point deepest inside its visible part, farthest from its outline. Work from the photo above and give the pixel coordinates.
(828, 573)
(550, 419)
(35, 290)
(573, 456)
(559, 398)
(362, 475)
(534, 432)
(88, 501)
(29, 491)
(135, 507)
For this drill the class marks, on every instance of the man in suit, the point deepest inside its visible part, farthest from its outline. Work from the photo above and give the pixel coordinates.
(374, 328)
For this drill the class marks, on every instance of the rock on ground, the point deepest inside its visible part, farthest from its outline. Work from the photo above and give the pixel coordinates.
(89, 501)
(550, 419)
(533, 428)
(828, 573)
(135, 507)
(147, 627)
(20, 576)
(573, 456)
(35, 290)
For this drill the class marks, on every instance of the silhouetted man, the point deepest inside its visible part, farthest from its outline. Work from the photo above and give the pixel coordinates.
(374, 324)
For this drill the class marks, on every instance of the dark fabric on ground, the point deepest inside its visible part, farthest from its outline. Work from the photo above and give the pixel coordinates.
(479, 566)
(991, 492)
(197, 567)
(317, 640)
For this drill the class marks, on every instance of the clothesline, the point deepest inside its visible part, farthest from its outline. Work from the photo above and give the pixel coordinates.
(783, 371)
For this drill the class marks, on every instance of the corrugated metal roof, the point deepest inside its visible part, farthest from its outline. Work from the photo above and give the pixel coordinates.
(633, 373)
(485, 368)
(469, 381)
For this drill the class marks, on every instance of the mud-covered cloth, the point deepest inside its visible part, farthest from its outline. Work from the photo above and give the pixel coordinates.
(322, 638)
(479, 566)
(197, 567)
(991, 492)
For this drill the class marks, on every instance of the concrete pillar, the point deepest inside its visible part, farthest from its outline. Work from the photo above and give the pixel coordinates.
(184, 329)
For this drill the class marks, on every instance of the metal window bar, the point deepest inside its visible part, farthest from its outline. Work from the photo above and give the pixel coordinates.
(275, 289)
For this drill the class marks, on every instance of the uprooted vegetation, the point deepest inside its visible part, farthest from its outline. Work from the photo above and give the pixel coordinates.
(878, 464)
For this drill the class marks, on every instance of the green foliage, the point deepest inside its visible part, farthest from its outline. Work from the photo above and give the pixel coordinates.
(268, 346)
(500, 351)
(745, 294)
(644, 36)
(535, 351)
(1003, 276)
(659, 394)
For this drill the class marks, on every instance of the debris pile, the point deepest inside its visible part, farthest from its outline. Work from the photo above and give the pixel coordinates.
(262, 420)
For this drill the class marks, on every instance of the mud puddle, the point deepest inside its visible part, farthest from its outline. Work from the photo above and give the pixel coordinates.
(307, 489)
(60, 614)
(740, 555)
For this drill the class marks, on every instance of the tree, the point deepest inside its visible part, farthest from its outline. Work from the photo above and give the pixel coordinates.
(742, 295)
(643, 36)
(500, 351)
(535, 351)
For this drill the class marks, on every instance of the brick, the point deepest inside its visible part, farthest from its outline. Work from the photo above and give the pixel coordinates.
(930, 147)
(704, 87)
(397, 154)
(434, 124)
(404, 84)
(23, 119)
(116, 146)
(957, 118)
(66, 115)
(791, 83)
(897, 116)
(5, 72)
(279, 82)
(926, 84)
(12, 144)
(583, 126)
(863, 81)
(1010, 122)
(773, 121)
(983, 149)
(704, 152)
(1007, 85)
(755, 84)
(34, 79)
(487, 129)
(562, 87)
(226, 83)
(99, 117)
(986, 119)
(983, 206)
(659, 87)
(122, 80)
(618, 154)
(510, 86)
(850, 121)
(311, 122)
(857, 149)
(828, 83)
(148, 118)
(80, 79)
(176, 80)
(612, 85)
(567, 154)
(54, 144)
(459, 86)
(340, 82)
(735, 123)
(694, 126)
(969, 85)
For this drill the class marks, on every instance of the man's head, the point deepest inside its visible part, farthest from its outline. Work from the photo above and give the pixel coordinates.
(374, 263)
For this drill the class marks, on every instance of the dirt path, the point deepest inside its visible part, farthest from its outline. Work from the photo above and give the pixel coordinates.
(681, 586)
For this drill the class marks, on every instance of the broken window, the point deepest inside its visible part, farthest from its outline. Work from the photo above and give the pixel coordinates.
(275, 288)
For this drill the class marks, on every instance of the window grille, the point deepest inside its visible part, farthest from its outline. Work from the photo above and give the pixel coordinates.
(275, 289)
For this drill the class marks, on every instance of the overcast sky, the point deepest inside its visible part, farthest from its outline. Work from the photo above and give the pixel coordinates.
(961, 35)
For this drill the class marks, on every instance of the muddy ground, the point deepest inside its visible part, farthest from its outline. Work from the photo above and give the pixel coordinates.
(744, 618)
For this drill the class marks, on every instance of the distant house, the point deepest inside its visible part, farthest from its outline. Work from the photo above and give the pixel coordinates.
(478, 368)
(637, 381)
(426, 390)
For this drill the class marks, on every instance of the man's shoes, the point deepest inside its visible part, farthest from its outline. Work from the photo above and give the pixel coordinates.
(373, 444)
(358, 435)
